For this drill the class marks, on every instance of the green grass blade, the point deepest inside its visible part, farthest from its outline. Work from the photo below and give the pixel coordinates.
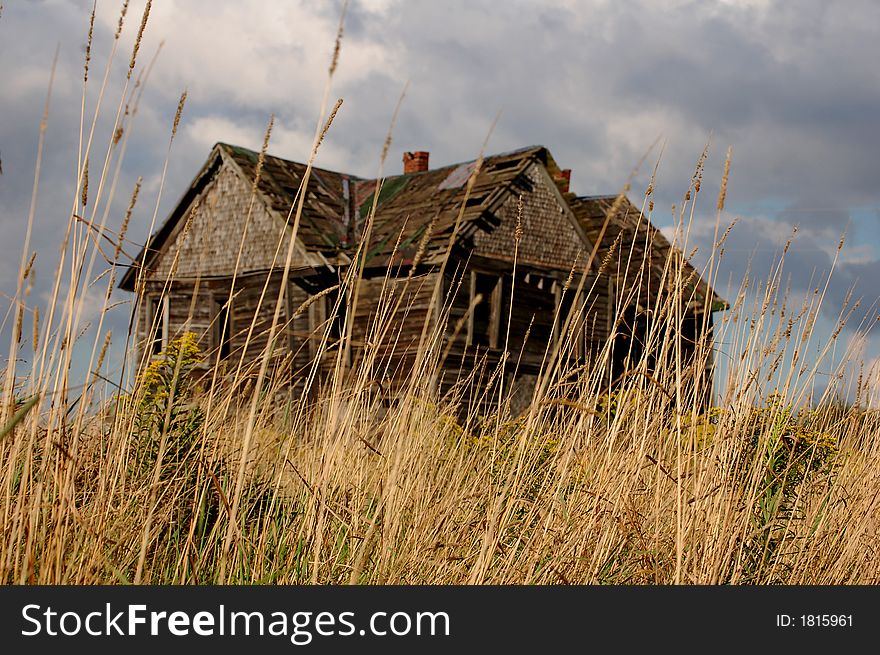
(19, 415)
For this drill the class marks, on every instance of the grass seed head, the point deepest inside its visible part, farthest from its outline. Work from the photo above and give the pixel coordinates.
(518, 231)
(19, 317)
(178, 114)
(261, 160)
(327, 125)
(28, 269)
(36, 333)
(89, 44)
(140, 36)
(123, 229)
(121, 19)
(85, 184)
(337, 45)
(103, 352)
(725, 176)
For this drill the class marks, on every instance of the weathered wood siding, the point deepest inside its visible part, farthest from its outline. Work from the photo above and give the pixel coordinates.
(389, 320)
(549, 237)
(249, 319)
(182, 314)
(252, 317)
(206, 242)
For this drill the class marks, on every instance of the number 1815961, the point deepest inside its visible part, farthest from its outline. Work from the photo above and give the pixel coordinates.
(814, 620)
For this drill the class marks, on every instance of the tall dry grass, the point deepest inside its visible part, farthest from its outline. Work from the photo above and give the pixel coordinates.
(174, 479)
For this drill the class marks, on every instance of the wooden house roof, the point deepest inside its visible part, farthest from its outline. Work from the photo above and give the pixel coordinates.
(637, 249)
(337, 207)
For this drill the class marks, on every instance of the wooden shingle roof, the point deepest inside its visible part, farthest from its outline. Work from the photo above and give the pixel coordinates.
(637, 249)
(337, 206)
(322, 226)
(410, 205)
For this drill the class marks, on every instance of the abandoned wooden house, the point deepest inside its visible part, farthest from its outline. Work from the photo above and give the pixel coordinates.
(489, 265)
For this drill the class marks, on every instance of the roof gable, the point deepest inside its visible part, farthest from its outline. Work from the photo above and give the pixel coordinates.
(549, 236)
(225, 229)
(151, 249)
(434, 199)
(203, 233)
(326, 209)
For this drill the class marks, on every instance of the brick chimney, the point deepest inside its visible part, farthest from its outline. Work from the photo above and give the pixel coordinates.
(563, 179)
(415, 162)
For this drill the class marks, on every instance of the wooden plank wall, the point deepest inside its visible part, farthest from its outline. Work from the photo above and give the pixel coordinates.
(533, 311)
(249, 319)
(395, 335)
(183, 314)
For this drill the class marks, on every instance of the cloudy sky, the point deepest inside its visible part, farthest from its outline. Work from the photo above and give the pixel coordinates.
(792, 87)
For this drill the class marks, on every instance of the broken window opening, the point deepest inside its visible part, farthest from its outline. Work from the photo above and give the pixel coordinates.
(487, 317)
(157, 323)
(222, 332)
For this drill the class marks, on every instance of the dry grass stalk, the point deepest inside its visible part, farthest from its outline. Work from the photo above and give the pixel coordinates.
(36, 334)
(28, 269)
(337, 45)
(119, 25)
(84, 196)
(725, 176)
(261, 160)
(327, 125)
(107, 338)
(313, 299)
(123, 229)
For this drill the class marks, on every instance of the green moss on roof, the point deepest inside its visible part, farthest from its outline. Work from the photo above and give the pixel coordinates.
(389, 189)
(238, 150)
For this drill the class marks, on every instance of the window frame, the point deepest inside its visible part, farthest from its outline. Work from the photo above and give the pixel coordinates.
(495, 308)
(221, 306)
(156, 319)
